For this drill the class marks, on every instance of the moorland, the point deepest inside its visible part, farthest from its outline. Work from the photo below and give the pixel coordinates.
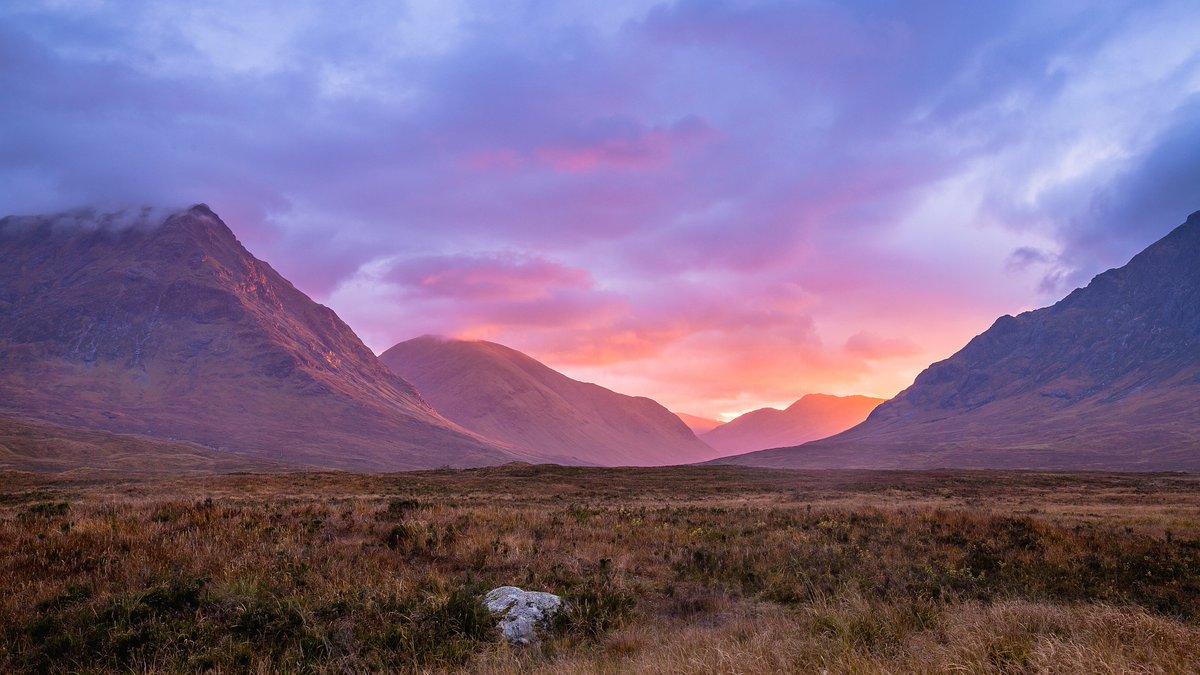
(693, 569)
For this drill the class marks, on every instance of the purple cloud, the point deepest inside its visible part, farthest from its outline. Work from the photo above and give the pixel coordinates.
(646, 192)
(498, 276)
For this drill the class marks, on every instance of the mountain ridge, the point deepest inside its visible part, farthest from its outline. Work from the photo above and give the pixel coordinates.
(502, 393)
(810, 417)
(1106, 378)
(177, 331)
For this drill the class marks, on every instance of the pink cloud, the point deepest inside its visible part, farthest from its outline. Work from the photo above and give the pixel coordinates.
(875, 347)
(727, 368)
(624, 142)
(510, 277)
(714, 343)
(715, 204)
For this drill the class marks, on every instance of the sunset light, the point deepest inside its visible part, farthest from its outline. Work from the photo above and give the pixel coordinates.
(600, 336)
(720, 205)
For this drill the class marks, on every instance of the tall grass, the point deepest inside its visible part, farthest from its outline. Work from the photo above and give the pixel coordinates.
(675, 570)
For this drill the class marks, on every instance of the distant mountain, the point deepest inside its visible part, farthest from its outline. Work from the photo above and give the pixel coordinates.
(504, 394)
(813, 416)
(173, 330)
(697, 424)
(1106, 379)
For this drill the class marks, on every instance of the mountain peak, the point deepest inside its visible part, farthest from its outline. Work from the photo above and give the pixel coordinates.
(166, 325)
(504, 394)
(202, 227)
(199, 216)
(811, 417)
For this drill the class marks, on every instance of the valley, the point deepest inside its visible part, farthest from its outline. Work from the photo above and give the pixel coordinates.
(645, 337)
(679, 570)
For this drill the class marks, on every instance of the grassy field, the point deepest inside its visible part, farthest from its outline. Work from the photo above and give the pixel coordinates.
(667, 570)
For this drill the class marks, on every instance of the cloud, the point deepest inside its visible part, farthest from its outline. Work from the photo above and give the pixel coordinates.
(1025, 256)
(622, 142)
(875, 347)
(1158, 189)
(480, 295)
(505, 276)
(718, 203)
(143, 218)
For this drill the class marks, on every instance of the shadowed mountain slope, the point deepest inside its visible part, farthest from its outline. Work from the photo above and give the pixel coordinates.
(38, 446)
(1107, 378)
(506, 395)
(813, 416)
(173, 330)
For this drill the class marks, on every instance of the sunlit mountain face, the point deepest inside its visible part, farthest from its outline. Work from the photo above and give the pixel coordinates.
(504, 395)
(721, 205)
(171, 329)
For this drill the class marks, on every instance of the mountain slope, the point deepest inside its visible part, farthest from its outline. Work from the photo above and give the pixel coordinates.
(43, 447)
(1107, 378)
(504, 394)
(813, 416)
(174, 330)
(698, 425)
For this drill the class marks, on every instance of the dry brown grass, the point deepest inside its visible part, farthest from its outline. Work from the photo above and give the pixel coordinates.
(854, 635)
(713, 569)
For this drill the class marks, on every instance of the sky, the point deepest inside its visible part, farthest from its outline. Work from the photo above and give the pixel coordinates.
(719, 204)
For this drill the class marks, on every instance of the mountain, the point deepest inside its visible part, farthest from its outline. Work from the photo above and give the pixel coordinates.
(506, 395)
(43, 447)
(171, 329)
(1106, 379)
(813, 416)
(697, 424)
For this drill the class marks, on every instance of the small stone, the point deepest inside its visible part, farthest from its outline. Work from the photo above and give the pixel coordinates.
(522, 613)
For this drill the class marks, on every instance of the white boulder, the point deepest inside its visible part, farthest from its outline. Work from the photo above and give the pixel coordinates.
(522, 612)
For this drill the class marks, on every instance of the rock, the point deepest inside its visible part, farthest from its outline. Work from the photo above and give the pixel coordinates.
(522, 612)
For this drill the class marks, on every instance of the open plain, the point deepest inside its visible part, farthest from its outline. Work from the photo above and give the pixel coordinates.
(695, 569)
